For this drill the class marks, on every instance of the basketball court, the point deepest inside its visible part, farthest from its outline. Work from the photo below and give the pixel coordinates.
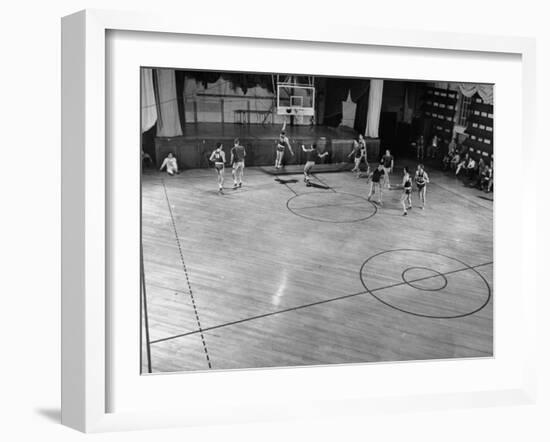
(279, 274)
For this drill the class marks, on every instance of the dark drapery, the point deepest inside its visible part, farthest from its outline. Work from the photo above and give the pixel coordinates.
(180, 90)
(337, 91)
(360, 96)
(237, 80)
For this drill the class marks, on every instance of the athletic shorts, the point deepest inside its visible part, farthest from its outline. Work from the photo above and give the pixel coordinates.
(280, 148)
(238, 164)
(218, 166)
(408, 191)
(420, 186)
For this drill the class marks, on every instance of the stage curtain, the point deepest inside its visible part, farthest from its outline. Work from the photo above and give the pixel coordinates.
(148, 103)
(375, 106)
(180, 91)
(337, 90)
(485, 91)
(408, 109)
(169, 122)
(360, 95)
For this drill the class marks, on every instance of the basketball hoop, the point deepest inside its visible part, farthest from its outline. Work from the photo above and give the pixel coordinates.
(295, 99)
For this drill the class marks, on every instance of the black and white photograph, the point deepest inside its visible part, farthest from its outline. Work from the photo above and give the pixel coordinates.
(301, 220)
(229, 221)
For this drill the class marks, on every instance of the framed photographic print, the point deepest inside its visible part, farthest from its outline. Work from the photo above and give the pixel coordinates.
(282, 224)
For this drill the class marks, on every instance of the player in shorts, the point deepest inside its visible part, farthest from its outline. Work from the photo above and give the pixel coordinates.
(311, 155)
(282, 145)
(407, 190)
(238, 153)
(375, 182)
(387, 162)
(421, 179)
(171, 164)
(357, 156)
(363, 147)
(218, 158)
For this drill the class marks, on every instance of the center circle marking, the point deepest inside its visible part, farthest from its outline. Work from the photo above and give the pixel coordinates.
(331, 207)
(431, 275)
(435, 274)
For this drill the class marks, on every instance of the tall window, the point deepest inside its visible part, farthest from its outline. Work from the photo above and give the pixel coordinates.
(464, 110)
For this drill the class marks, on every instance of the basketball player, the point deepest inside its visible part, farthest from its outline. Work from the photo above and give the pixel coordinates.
(218, 158)
(311, 155)
(375, 177)
(407, 190)
(358, 154)
(238, 153)
(282, 144)
(363, 146)
(421, 179)
(387, 161)
(171, 164)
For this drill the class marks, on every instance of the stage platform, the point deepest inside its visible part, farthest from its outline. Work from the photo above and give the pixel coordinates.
(194, 147)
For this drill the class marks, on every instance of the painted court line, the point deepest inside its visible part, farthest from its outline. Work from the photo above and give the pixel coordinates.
(187, 278)
(312, 304)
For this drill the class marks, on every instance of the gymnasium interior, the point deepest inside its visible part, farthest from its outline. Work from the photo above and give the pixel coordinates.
(278, 273)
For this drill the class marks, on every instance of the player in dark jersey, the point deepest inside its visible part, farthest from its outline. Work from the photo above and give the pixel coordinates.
(407, 190)
(376, 178)
(218, 158)
(238, 153)
(421, 179)
(282, 145)
(311, 155)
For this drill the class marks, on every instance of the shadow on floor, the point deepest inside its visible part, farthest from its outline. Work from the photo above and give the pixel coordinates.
(51, 414)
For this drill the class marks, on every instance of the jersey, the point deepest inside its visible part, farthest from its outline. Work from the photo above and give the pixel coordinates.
(387, 160)
(311, 155)
(407, 186)
(421, 178)
(363, 147)
(282, 143)
(238, 153)
(376, 175)
(218, 158)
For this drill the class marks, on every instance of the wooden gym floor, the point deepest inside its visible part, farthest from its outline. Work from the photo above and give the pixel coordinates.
(280, 274)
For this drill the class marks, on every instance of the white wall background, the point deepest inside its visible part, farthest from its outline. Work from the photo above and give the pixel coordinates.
(30, 220)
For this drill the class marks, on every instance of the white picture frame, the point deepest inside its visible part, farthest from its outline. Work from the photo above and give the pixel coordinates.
(86, 210)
